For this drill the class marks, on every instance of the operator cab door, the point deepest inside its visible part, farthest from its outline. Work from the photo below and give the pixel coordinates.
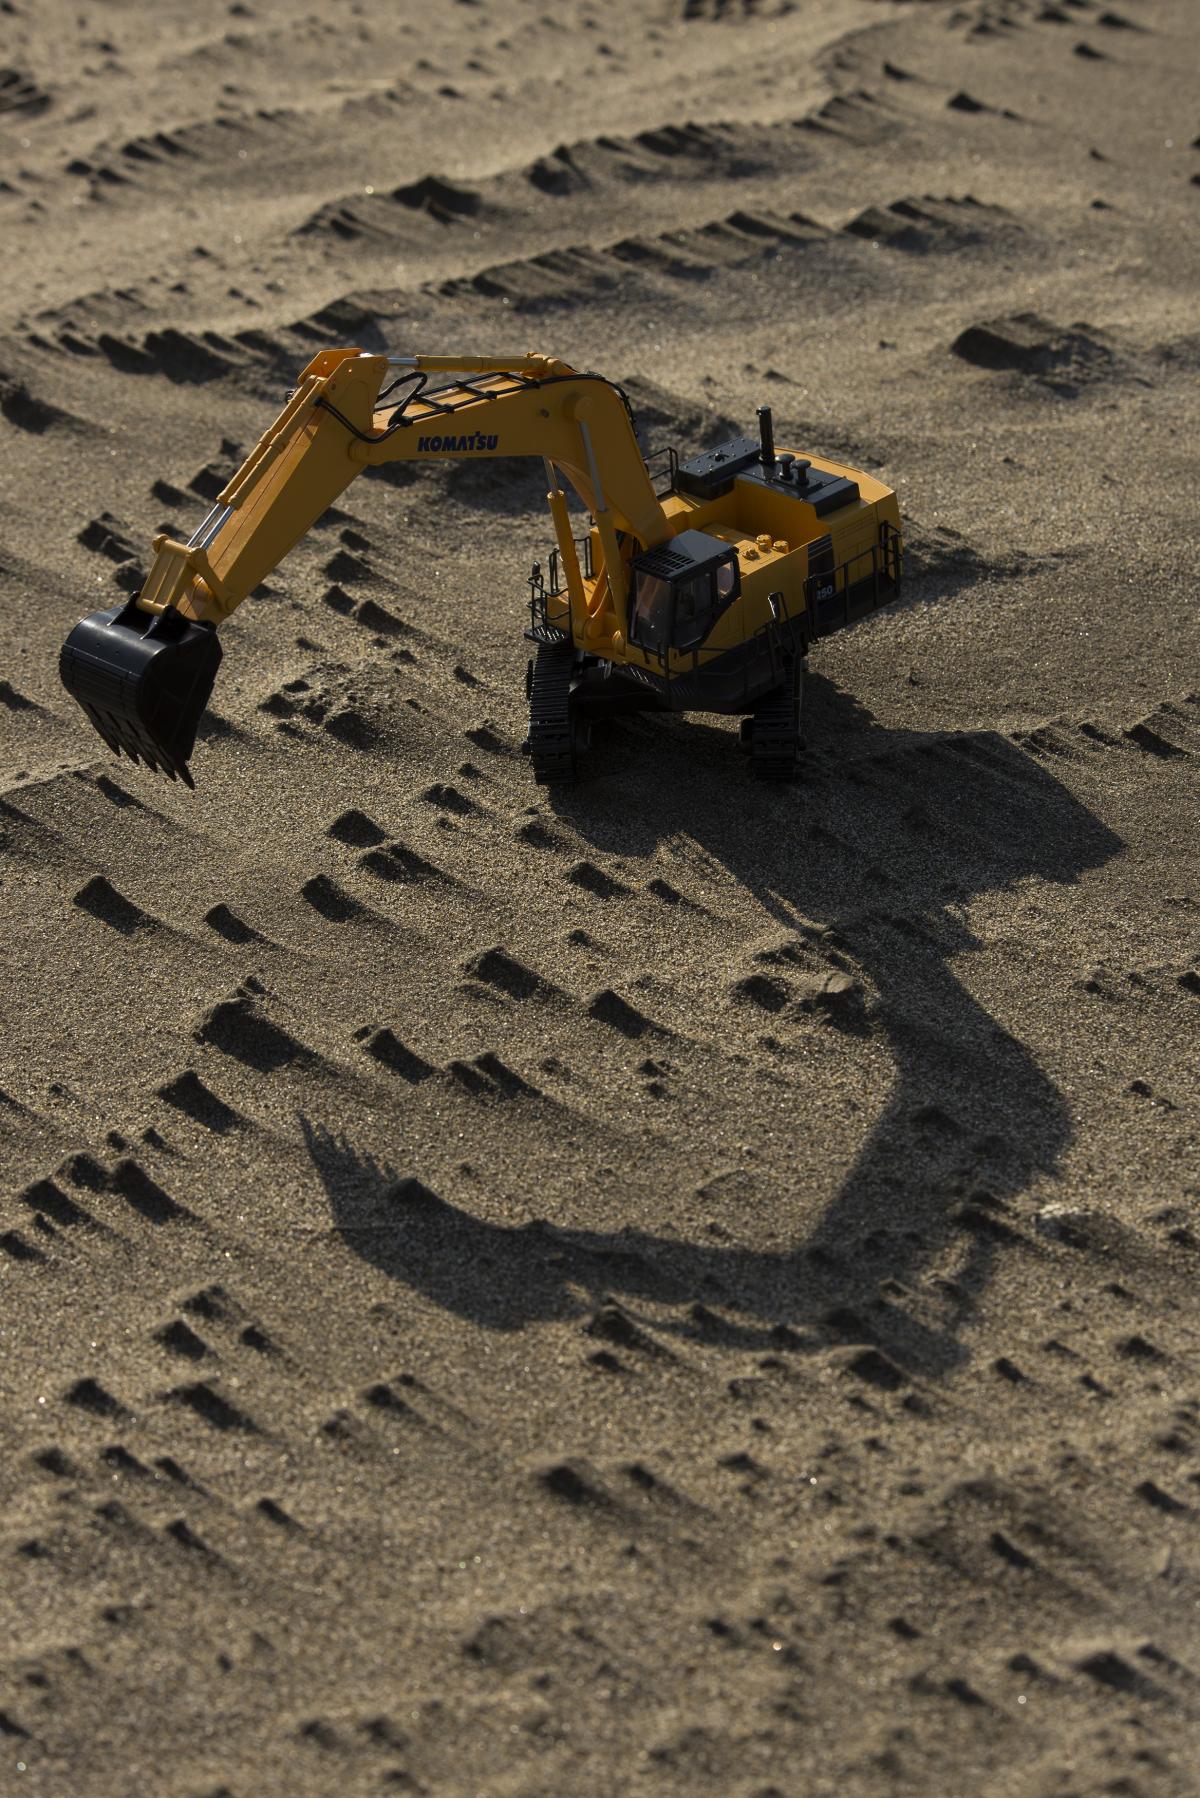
(694, 611)
(700, 601)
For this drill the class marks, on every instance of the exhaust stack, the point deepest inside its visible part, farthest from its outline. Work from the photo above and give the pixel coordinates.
(766, 438)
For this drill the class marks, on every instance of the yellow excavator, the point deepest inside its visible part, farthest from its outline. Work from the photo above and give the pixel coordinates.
(700, 590)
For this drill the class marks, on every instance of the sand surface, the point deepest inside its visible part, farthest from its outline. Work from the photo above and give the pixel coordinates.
(680, 1286)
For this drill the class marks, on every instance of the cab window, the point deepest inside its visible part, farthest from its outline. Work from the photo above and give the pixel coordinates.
(651, 612)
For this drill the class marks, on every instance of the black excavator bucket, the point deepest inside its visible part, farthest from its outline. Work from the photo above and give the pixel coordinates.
(144, 679)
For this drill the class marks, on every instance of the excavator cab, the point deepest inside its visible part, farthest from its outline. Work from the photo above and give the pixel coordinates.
(678, 591)
(143, 679)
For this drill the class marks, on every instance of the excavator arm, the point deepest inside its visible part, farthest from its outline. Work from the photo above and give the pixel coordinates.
(143, 671)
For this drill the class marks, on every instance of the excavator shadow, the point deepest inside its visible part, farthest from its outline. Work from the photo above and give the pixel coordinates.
(885, 842)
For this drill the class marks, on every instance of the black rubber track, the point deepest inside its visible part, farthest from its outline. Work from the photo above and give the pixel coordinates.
(551, 737)
(775, 740)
